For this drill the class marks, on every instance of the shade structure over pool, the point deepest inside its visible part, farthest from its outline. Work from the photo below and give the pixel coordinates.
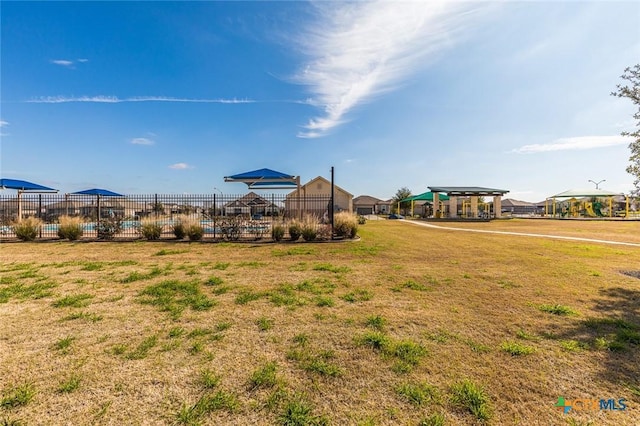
(23, 185)
(98, 191)
(265, 179)
(590, 192)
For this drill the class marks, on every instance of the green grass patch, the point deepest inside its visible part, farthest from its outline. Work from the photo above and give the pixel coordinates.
(70, 385)
(264, 377)
(64, 344)
(323, 301)
(264, 323)
(557, 310)
(413, 285)
(294, 251)
(436, 419)
(142, 350)
(331, 268)
(298, 412)
(208, 403)
(84, 316)
(213, 281)
(418, 393)
(316, 286)
(208, 379)
(174, 296)
(473, 398)
(516, 349)
(247, 295)
(573, 345)
(359, 295)
(221, 266)
(23, 291)
(73, 301)
(18, 396)
(167, 252)
(139, 276)
(376, 322)
(251, 264)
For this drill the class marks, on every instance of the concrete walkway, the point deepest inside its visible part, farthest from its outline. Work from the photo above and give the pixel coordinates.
(556, 237)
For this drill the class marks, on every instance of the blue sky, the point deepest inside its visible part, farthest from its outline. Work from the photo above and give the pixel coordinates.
(170, 97)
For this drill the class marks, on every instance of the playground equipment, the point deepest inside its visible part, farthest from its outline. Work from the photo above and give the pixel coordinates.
(593, 209)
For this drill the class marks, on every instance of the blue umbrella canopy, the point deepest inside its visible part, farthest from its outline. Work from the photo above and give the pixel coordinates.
(23, 185)
(265, 179)
(98, 191)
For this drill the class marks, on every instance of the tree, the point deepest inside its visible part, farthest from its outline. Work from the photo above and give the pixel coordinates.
(632, 91)
(401, 194)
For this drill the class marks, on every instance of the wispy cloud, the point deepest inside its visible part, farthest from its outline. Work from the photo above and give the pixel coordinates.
(575, 143)
(181, 166)
(3, 123)
(362, 49)
(115, 100)
(62, 62)
(142, 141)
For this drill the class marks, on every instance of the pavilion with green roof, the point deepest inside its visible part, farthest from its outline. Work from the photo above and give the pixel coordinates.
(453, 192)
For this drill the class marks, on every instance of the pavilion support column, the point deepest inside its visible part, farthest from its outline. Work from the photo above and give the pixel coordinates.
(497, 206)
(453, 206)
(436, 203)
(474, 206)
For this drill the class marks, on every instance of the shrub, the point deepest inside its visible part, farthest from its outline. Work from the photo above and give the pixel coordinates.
(109, 227)
(309, 228)
(27, 229)
(277, 232)
(150, 229)
(295, 231)
(345, 225)
(70, 228)
(192, 228)
(178, 228)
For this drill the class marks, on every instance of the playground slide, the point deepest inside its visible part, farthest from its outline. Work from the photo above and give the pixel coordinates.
(592, 210)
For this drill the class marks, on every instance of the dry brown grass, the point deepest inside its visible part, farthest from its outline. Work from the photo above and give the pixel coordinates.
(458, 295)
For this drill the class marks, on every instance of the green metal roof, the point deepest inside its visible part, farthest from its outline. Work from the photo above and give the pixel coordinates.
(467, 190)
(426, 196)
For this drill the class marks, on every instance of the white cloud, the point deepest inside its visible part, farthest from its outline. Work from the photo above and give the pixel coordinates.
(62, 62)
(362, 49)
(181, 166)
(575, 143)
(142, 141)
(3, 123)
(115, 100)
(83, 60)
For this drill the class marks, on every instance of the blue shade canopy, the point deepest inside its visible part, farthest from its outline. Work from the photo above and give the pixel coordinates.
(261, 174)
(265, 179)
(23, 185)
(98, 191)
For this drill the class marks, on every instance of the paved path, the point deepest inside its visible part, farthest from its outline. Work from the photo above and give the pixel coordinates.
(524, 234)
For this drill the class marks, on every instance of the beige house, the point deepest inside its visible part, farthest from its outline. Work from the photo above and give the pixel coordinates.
(314, 198)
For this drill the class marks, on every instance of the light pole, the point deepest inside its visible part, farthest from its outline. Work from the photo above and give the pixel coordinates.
(597, 183)
(215, 207)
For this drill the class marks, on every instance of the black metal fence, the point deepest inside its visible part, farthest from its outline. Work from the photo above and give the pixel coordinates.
(219, 216)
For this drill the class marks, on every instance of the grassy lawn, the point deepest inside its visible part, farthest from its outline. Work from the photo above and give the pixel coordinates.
(408, 326)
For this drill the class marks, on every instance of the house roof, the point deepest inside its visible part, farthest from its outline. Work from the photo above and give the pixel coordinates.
(508, 202)
(319, 178)
(467, 190)
(366, 199)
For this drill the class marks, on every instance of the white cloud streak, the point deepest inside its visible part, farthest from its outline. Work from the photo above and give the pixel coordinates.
(3, 123)
(574, 143)
(181, 166)
(62, 62)
(116, 100)
(362, 49)
(142, 141)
